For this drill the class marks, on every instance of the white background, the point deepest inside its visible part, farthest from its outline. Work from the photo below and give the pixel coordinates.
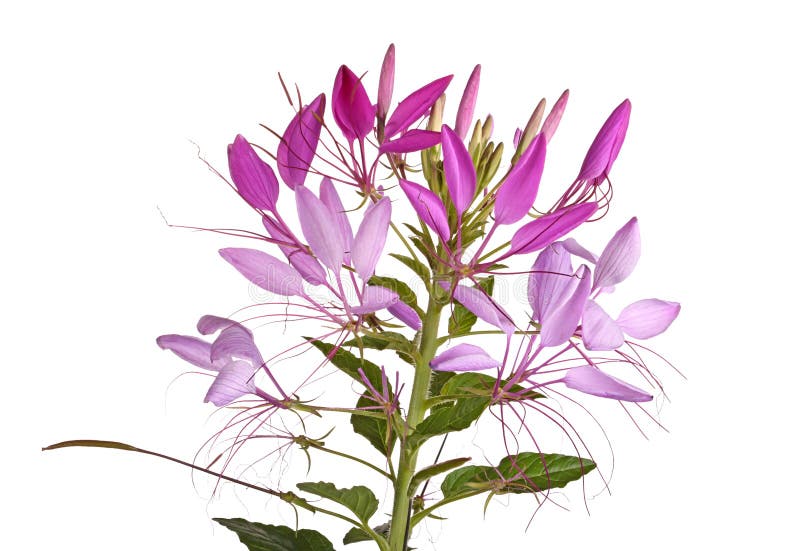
(99, 102)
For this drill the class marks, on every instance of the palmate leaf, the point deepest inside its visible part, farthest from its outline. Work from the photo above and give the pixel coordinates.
(267, 537)
(359, 499)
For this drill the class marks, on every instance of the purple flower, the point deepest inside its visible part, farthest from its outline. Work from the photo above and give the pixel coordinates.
(411, 109)
(428, 207)
(606, 145)
(386, 83)
(459, 172)
(299, 143)
(254, 179)
(464, 357)
(352, 110)
(467, 106)
(518, 191)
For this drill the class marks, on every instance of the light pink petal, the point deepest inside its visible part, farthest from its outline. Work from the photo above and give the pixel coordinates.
(647, 318)
(235, 342)
(467, 106)
(320, 229)
(413, 140)
(191, 349)
(538, 234)
(463, 357)
(234, 381)
(211, 324)
(560, 324)
(598, 330)
(308, 266)
(590, 380)
(428, 206)
(299, 143)
(406, 314)
(620, 256)
(375, 298)
(477, 302)
(329, 196)
(386, 83)
(518, 192)
(554, 117)
(578, 250)
(459, 172)
(352, 110)
(254, 179)
(265, 270)
(550, 281)
(606, 145)
(371, 238)
(415, 105)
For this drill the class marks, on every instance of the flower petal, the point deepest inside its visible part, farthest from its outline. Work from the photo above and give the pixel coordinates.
(406, 314)
(234, 381)
(329, 196)
(265, 270)
(386, 83)
(255, 181)
(209, 324)
(375, 298)
(560, 324)
(463, 357)
(413, 140)
(428, 206)
(590, 380)
(550, 280)
(191, 349)
(598, 330)
(235, 341)
(606, 145)
(299, 143)
(579, 250)
(459, 172)
(371, 238)
(518, 192)
(352, 110)
(480, 304)
(647, 318)
(415, 105)
(554, 117)
(620, 256)
(308, 266)
(543, 231)
(320, 228)
(467, 106)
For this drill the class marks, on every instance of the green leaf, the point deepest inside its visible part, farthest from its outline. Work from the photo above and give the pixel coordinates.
(415, 265)
(349, 363)
(385, 340)
(467, 479)
(438, 379)
(267, 537)
(355, 535)
(462, 412)
(375, 430)
(432, 470)
(401, 288)
(462, 320)
(359, 499)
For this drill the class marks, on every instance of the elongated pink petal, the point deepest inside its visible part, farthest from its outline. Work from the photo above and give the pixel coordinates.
(406, 314)
(647, 318)
(371, 238)
(234, 381)
(413, 140)
(209, 324)
(352, 110)
(518, 192)
(550, 281)
(254, 179)
(477, 302)
(235, 342)
(191, 349)
(543, 231)
(375, 298)
(308, 266)
(415, 105)
(579, 250)
(560, 324)
(620, 256)
(466, 108)
(265, 270)
(463, 357)
(428, 207)
(299, 143)
(554, 117)
(320, 229)
(606, 145)
(329, 196)
(459, 172)
(599, 331)
(386, 83)
(590, 380)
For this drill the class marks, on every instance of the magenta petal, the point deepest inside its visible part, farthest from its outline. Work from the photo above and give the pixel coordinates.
(413, 140)
(191, 349)
(518, 192)
(554, 117)
(647, 318)
(463, 357)
(299, 143)
(598, 330)
(590, 380)
(467, 106)
(559, 324)
(371, 238)
(620, 256)
(320, 228)
(543, 231)
(265, 270)
(428, 206)
(329, 196)
(254, 179)
(352, 110)
(579, 250)
(406, 314)
(459, 172)
(477, 302)
(606, 145)
(415, 105)
(386, 83)
(375, 298)
(234, 381)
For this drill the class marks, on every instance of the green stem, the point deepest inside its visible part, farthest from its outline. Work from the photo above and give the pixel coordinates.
(350, 457)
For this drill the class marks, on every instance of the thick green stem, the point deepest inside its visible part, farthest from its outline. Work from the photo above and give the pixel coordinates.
(416, 412)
